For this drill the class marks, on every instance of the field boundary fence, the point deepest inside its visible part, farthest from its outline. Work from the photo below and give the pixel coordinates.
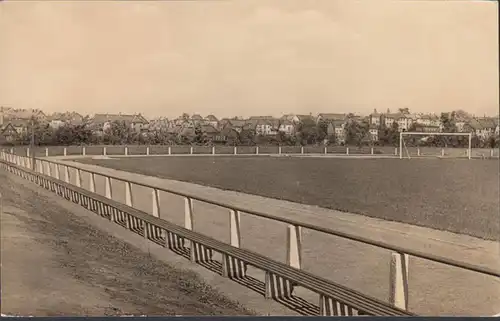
(50, 171)
(164, 150)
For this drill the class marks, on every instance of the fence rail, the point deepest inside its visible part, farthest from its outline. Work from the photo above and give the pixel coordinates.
(334, 299)
(399, 258)
(136, 150)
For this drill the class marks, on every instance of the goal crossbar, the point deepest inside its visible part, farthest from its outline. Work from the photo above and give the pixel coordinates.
(401, 142)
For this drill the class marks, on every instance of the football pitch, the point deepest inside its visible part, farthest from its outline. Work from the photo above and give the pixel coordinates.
(455, 195)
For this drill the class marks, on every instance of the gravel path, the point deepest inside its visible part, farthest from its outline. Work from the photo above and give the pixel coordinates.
(56, 264)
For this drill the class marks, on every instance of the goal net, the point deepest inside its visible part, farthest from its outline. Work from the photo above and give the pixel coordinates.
(420, 144)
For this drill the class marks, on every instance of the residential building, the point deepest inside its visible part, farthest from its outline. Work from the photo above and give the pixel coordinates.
(197, 119)
(57, 120)
(419, 127)
(482, 127)
(235, 124)
(102, 122)
(8, 134)
(330, 117)
(373, 131)
(212, 121)
(375, 118)
(336, 128)
(159, 124)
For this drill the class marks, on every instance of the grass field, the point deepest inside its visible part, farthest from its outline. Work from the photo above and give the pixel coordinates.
(453, 194)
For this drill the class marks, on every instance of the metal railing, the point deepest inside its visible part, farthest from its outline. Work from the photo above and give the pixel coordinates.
(334, 299)
(399, 289)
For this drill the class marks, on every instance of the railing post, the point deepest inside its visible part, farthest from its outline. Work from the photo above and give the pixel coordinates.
(109, 194)
(92, 182)
(302, 149)
(188, 213)
(66, 174)
(46, 152)
(396, 151)
(126, 151)
(169, 150)
(65, 151)
(84, 151)
(294, 246)
(104, 151)
(108, 188)
(442, 152)
(156, 202)
(147, 150)
(491, 153)
(232, 267)
(398, 286)
(234, 228)
(128, 194)
(49, 169)
(418, 151)
(78, 178)
(191, 150)
(58, 174)
(279, 150)
(213, 150)
(257, 150)
(347, 150)
(235, 150)
(371, 151)
(326, 150)
(28, 152)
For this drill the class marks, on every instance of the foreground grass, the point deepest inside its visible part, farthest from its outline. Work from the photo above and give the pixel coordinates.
(450, 194)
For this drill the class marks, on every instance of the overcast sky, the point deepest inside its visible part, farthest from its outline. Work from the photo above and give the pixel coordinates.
(249, 57)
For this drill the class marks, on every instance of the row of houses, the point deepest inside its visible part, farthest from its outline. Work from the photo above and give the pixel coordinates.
(17, 121)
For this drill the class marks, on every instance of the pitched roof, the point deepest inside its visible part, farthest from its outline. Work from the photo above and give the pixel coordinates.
(262, 118)
(211, 118)
(103, 118)
(332, 116)
(237, 122)
(209, 129)
(196, 117)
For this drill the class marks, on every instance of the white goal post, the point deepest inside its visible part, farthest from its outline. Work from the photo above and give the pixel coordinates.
(402, 144)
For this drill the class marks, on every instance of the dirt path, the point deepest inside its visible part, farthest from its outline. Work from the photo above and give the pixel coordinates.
(55, 264)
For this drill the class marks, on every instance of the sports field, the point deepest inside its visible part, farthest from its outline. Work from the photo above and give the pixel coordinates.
(456, 195)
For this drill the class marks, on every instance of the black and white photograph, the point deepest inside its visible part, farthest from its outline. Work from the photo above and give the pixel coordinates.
(249, 158)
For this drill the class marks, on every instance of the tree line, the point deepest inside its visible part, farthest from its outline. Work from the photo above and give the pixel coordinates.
(307, 132)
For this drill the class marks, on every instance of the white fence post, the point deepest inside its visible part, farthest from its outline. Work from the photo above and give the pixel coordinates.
(58, 172)
(326, 150)
(398, 286)
(257, 150)
(188, 224)
(156, 202)
(491, 152)
(84, 151)
(191, 150)
(213, 150)
(347, 150)
(442, 152)
(65, 151)
(46, 152)
(302, 149)
(66, 174)
(92, 182)
(128, 194)
(109, 194)
(234, 228)
(126, 151)
(49, 169)
(147, 150)
(78, 178)
(169, 150)
(279, 150)
(396, 151)
(104, 151)
(235, 150)
(294, 246)
(418, 151)
(371, 150)
(28, 152)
